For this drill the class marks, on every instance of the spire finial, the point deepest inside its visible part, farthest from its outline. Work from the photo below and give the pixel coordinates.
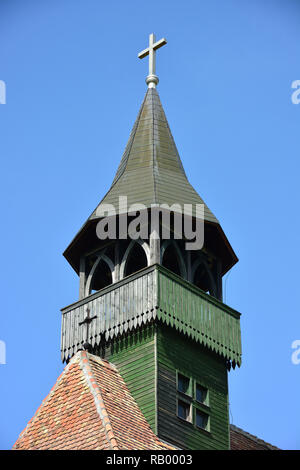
(152, 79)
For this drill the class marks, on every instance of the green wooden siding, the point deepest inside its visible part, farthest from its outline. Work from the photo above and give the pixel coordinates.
(198, 315)
(134, 356)
(148, 360)
(154, 293)
(176, 352)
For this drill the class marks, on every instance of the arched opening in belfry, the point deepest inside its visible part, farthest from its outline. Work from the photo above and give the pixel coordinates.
(101, 278)
(171, 259)
(203, 279)
(136, 259)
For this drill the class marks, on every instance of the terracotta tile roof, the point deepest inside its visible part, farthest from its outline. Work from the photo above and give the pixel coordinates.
(241, 440)
(89, 407)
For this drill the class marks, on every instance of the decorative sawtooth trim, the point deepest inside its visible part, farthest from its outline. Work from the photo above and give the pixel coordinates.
(200, 317)
(176, 323)
(99, 403)
(199, 336)
(172, 321)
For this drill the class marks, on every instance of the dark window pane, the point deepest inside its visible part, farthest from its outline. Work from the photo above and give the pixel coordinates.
(201, 393)
(102, 277)
(170, 260)
(183, 410)
(183, 384)
(201, 419)
(137, 260)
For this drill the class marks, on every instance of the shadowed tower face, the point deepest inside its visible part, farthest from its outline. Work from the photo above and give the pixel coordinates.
(150, 303)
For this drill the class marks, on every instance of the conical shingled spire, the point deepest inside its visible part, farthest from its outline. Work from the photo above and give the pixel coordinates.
(151, 171)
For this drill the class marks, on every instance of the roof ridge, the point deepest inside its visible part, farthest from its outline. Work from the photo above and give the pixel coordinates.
(154, 163)
(124, 160)
(99, 402)
(148, 174)
(47, 398)
(113, 367)
(171, 136)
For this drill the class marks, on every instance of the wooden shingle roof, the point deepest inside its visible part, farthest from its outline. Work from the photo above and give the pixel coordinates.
(150, 171)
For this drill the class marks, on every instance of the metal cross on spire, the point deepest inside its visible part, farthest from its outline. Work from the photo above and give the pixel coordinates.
(152, 79)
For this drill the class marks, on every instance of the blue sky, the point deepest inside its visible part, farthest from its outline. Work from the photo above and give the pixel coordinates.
(74, 87)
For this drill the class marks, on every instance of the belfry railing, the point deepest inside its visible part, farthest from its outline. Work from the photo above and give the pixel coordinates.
(152, 294)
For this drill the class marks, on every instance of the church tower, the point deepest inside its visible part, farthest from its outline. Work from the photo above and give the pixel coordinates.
(150, 261)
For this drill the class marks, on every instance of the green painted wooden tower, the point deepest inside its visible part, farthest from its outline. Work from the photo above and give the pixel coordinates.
(150, 303)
